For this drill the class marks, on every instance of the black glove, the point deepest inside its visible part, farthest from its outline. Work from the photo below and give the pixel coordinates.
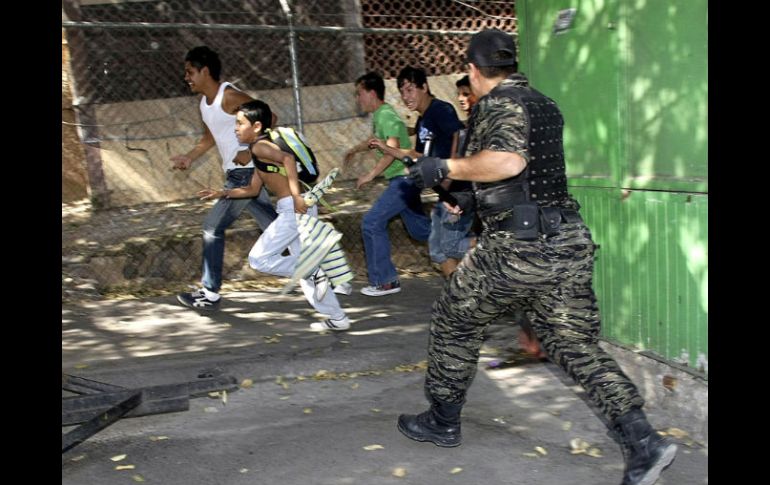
(465, 200)
(428, 171)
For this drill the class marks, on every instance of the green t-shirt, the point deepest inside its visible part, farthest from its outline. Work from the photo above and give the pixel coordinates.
(388, 124)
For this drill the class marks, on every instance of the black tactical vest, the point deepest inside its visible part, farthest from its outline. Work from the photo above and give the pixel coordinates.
(544, 180)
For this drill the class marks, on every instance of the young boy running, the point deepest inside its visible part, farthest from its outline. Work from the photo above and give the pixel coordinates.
(277, 170)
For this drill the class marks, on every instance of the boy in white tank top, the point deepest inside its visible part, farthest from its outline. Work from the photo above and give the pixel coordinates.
(219, 102)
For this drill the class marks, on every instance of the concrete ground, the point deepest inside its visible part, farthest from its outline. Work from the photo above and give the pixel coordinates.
(322, 408)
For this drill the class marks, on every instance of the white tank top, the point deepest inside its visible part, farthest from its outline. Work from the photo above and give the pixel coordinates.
(222, 126)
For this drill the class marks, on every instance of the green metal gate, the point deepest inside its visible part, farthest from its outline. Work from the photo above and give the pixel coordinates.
(631, 78)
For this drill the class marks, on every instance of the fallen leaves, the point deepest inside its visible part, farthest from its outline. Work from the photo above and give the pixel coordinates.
(247, 383)
(219, 395)
(679, 434)
(399, 472)
(118, 457)
(279, 380)
(580, 446)
(373, 447)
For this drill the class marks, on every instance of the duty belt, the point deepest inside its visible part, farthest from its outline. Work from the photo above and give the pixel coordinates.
(529, 221)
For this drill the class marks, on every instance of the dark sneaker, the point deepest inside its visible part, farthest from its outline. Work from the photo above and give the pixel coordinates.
(381, 290)
(198, 301)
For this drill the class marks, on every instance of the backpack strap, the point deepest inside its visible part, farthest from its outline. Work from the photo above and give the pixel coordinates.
(264, 166)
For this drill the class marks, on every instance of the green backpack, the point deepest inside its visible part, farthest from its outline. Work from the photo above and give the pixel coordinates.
(291, 141)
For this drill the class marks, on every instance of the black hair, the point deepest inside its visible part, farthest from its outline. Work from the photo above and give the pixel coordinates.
(201, 56)
(258, 111)
(463, 81)
(414, 75)
(373, 82)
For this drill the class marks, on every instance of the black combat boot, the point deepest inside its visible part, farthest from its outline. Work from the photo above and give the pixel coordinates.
(440, 424)
(646, 453)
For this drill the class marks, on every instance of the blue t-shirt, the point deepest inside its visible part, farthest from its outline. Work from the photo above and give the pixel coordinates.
(441, 120)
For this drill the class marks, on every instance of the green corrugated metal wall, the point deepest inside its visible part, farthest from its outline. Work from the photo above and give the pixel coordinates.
(631, 78)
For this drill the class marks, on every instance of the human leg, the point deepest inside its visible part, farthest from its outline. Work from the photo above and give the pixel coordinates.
(327, 305)
(266, 254)
(219, 218)
(417, 224)
(467, 305)
(374, 230)
(567, 322)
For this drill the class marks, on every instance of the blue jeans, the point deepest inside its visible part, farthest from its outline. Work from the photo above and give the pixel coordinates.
(401, 197)
(222, 216)
(448, 239)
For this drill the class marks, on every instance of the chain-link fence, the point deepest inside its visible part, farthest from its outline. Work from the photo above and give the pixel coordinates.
(133, 111)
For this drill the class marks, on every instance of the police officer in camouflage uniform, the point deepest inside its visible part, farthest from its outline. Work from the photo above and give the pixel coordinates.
(535, 253)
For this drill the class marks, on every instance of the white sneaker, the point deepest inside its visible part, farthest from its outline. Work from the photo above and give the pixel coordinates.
(344, 289)
(331, 324)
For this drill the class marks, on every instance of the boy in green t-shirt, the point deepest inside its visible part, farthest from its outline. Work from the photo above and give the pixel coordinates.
(402, 197)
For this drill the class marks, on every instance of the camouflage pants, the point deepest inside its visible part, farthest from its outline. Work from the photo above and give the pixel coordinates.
(549, 279)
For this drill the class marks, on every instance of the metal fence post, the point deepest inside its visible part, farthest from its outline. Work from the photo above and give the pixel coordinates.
(294, 67)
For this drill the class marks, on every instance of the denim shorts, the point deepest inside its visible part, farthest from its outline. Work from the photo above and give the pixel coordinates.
(449, 236)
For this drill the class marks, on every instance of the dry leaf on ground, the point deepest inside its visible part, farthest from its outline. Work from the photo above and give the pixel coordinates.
(246, 383)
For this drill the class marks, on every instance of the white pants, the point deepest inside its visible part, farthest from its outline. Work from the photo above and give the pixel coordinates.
(266, 257)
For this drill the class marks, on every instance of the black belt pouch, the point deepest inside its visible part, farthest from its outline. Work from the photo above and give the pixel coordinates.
(550, 220)
(525, 221)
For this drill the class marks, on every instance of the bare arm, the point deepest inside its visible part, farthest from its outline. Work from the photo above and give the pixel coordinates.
(183, 162)
(250, 190)
(486, 166)
(393, 151)
(360, 147)
(233, 98)
(383, 163)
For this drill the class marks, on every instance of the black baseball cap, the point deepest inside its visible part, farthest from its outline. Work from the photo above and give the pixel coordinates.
(491, 47)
